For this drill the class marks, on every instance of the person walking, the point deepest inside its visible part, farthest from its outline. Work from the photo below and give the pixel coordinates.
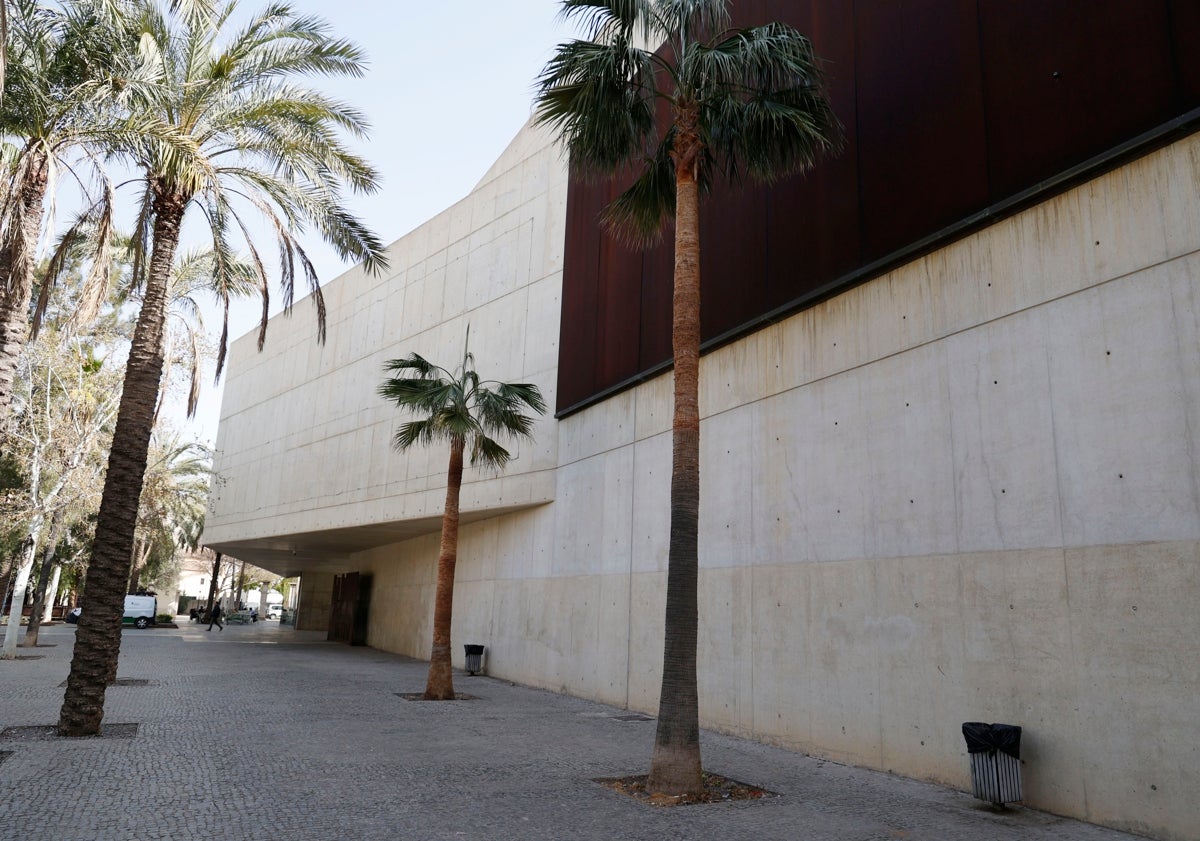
(215, 618)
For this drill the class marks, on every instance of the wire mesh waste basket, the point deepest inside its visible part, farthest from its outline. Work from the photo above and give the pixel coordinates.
(474, 658)
(995, 751)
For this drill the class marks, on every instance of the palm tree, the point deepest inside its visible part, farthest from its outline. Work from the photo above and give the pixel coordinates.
(249, 135)
(466, 412)
(735, 100)
(59, 86)
(171, 514)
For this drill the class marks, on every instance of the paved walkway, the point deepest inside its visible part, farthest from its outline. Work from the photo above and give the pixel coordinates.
(263, 732)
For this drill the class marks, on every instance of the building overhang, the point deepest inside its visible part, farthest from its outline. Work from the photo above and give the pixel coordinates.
(333, 550)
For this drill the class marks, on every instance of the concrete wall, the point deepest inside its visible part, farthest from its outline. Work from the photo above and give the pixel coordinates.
(966, 490)
(304, 441)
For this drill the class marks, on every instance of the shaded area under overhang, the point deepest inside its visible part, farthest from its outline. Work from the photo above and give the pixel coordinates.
(329, 550)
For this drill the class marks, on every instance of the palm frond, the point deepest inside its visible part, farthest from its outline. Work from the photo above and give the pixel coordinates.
(459, 406)
(487, 452)
(600, 98)
(636, 216)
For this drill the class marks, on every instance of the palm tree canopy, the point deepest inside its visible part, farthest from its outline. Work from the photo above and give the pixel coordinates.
(250, 134)
(741, 101)
(459, 406)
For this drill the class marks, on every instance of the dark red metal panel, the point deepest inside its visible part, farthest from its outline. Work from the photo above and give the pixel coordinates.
(920, 118)
(1184, 21)
(1065, 81)
(578, 334)
(733, 259)
(950, 107)
(657, 270)
(618, 305)
(813, 222)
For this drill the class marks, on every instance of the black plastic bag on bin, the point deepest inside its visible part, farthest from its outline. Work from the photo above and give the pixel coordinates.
(989, 738)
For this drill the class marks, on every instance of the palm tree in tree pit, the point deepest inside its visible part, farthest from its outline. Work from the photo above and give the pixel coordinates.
(735, 101)
(460, 409)
(259, 139)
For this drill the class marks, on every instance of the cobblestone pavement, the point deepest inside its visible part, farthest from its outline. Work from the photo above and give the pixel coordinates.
(259, 731)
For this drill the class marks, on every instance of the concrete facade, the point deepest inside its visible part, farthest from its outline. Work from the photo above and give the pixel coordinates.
(965, 490)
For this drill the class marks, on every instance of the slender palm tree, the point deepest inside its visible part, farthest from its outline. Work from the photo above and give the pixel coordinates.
(460, 409)
(258, 139)
(735, 101)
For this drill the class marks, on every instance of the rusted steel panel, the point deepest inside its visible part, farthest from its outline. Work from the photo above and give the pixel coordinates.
(951, 108)
(1184, 21)
(813, 220)
(733, 260)
(579, 341)
(1062, 84)
(920, 118)
(654, 343)
(619, 312)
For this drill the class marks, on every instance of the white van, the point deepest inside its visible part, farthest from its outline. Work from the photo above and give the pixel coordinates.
(140, 611)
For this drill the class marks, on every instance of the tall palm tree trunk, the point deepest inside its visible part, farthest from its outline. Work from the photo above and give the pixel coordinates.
(440, 685)
(675, 765)
(16, 273)
(98, 638)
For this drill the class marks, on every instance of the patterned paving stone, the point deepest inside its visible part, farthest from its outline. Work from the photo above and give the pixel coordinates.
(263, 731)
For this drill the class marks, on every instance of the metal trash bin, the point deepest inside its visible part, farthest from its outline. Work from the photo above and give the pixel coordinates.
(995, 751)
(474, 658)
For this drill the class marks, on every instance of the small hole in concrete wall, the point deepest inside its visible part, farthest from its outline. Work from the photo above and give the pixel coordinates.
(1002, 490)
(1120, 475)
(1108, 353)
(995, 382)
(1097, 242)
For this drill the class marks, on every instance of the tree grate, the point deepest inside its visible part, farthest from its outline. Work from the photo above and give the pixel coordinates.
(420, 696)
(49, 732)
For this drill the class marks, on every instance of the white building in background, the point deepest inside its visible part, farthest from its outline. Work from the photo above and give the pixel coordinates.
(195, 575)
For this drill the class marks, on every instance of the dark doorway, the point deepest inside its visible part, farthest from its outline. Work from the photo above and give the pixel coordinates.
(348, 610)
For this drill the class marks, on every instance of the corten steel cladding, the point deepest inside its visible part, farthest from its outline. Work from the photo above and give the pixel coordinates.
(950, 107)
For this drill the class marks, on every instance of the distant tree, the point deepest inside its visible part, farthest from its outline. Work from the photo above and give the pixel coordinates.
(171, 514)
(734, 101)
(465, 412)
(66, 402)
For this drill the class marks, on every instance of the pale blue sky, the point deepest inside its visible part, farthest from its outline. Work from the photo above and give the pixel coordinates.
(449, 85)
